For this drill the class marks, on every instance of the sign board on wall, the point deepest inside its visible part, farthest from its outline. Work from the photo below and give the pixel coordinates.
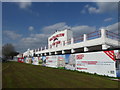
(35, 61)
(55, 61)
(21, 59)
(102, 63)
(70, 61)
(61, 61)
(28, 60)
(59, 38)
(51, 61)
(67, 61)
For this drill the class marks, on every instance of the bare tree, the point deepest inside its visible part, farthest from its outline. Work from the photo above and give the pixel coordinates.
(8, 51)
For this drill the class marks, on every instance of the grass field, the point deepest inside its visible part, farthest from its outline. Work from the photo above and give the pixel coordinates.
(21, 75)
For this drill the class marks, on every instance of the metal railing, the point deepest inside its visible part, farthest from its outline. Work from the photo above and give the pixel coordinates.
(112, 35)
(93, 35)
(78, 39)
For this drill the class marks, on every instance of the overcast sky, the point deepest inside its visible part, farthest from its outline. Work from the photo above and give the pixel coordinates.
(29, 24)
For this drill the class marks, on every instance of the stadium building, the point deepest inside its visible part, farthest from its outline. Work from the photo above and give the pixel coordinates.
(96, 52)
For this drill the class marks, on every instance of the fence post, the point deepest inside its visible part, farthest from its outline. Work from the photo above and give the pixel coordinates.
(84, 37)
(41, 54)
(41, 48)
(72, 40)
(49, 53)
(103, 36)
(55, 52)
(85, 49)
(103, 33)
(63, 52)
(45, 47)
(72, 50)
(45, 54)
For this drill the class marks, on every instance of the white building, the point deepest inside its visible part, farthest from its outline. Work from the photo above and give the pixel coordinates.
(62, 42)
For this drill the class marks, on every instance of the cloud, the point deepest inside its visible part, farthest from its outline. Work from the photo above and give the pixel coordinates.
(52, 28)
(108, 19)
(86, 6)
(102, 7)
(33, 41)
(30, 28)
(11, 34)
(112, 27)
(83, 11)
(24, 5)
(82, 29)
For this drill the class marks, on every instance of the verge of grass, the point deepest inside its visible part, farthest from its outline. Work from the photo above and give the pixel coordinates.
(22, 75)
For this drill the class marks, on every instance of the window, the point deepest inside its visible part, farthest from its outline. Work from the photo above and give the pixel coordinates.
(112, 72)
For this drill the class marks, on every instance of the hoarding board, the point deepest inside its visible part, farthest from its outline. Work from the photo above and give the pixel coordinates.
(35, 61)
(60, 60)
(28, 60)
(55, 61)
(117, 54)
(102, 63)
(51, 61)
(21, 59)
(40, 61)
(43, 58)
(70, 61)
(117, 58)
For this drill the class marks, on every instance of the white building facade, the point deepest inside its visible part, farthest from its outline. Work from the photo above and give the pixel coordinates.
(94, 52)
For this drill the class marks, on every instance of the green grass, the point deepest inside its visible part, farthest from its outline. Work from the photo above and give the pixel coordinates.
(21, 75)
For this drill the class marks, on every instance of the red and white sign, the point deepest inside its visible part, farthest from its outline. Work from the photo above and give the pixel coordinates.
(56, 36)
(51, 61)
(59, 37)
(21, 60)
(102, 63)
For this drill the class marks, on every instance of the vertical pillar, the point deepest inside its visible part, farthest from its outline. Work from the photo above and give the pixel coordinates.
(62, 43)
(55, 52)
(49, 53)
(45, 54)
(45, 47)
(41, 54)
(65, 43)
(72, 40)
(41, 48)
(85, 49)
(103, 37)
(104, 47)
(63, 52)
(38, 49)
(72, 50)
(103, 33)
(84, 37)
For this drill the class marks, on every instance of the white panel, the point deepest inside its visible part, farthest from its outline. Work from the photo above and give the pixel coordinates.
(96, 62)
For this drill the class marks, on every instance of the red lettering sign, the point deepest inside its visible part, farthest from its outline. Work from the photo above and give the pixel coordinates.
(80, 56)
(58, 35)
